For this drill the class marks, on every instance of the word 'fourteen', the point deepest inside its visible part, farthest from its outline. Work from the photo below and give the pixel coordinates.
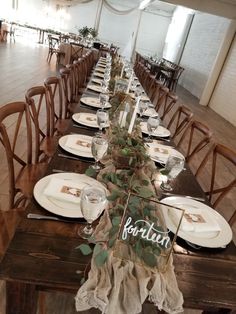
(148, 233)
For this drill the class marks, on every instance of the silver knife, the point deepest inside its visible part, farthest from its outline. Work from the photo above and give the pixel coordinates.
(45, 217)
(73, 158)
(201, 199)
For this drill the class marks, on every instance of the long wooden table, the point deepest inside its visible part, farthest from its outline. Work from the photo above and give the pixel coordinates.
(43, 255)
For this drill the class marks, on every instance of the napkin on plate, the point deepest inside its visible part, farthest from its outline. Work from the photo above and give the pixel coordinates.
(63, 190)
(195, 220)
(78, 144)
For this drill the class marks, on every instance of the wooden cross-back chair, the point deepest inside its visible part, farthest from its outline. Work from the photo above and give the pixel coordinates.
(159, 96)
(194, 142)
(169, 102)
(219, 190)
(54, 89)
(43, 118)
(67, 86)
(53, 48)
(76, 51)
(180, 120)
(24, 170)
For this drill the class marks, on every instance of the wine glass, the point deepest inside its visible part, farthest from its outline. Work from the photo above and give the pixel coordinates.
(102, 119)
(104, 98)
(152, 125)
(92, 203)
(174, 165)
(99, 148)
(142, 108)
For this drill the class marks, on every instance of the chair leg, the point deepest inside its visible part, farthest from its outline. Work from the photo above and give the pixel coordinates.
(42, 303)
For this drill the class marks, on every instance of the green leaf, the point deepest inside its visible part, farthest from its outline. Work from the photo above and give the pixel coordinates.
(85, 249)
(114, 195)
(130, 161)
(113, 178)
(113, 231)
(111, 241)
(97, 249)
(145, 182)
(157, 251)
(145, 192)
(101, 258)
(91, 172)
(149, 259)
(116, 221)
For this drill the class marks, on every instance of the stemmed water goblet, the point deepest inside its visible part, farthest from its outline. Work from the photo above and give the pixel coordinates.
(103, 97)
(102, 119)
(142, 108)
(152, 125)
(174, 165)
(92, 203)
(99, 148)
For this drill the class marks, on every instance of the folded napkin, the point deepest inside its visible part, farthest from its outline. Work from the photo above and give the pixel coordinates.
(63, 190)
(195, 219)
(78, 144)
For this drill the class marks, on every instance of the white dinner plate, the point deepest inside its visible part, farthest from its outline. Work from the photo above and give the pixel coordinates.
(143, 97)
(59, 207)
(100, 69)
(93, 102)
(97, 80)
(210, 239)
(77, 144)
(88, 119)
(150, 112)
(95, 88)
(160, 132)
(98, 74)
(159, 152)
(101, 64)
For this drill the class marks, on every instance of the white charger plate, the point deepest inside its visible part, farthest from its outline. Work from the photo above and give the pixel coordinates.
(212, 239)
(159, 152)
(93, 102)
(98, 74)
(100, 69)
(58, 207)
(97, 80)
(83, 151)
(160, 132)
(88, 119)
(95, 88)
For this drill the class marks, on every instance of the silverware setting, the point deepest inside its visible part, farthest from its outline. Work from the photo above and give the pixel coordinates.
(201, 199)
(81, 126)
(73, 157)
(45, 217)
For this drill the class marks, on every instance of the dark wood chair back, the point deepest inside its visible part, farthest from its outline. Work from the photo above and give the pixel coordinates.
(195, 137)
(76, 51)
(220, 184)
(180, 120)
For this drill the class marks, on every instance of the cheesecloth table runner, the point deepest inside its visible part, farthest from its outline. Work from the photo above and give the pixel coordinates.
(121, 286)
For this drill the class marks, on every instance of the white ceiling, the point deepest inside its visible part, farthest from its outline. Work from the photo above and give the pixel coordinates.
(226, 8)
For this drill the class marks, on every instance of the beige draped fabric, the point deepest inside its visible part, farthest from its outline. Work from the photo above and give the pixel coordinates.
(122, 286)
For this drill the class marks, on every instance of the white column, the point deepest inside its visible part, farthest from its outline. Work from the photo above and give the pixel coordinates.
(218, 64)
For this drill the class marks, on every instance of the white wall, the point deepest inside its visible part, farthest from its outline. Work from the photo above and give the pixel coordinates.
(81, 15)
(117, 29)
(223, 98)
(152, 34)
(202, 45)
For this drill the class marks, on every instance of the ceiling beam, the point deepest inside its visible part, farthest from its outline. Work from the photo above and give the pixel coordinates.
(215, 7)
